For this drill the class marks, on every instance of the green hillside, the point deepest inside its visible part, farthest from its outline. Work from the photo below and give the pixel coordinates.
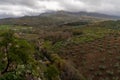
(67, 52)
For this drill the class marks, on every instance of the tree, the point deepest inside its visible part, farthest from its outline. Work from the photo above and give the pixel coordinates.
(14, 52)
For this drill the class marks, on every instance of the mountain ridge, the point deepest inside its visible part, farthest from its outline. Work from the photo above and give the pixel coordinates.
(57, 18)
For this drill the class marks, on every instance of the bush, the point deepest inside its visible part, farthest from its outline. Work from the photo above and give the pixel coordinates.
(77, 32)
(57, 36)
(52, 73)
(12, 76)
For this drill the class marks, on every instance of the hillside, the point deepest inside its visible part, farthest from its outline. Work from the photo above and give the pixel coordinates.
(60, 46)
(57, 18)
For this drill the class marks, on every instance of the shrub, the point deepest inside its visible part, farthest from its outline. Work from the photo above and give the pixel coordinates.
(52, 73)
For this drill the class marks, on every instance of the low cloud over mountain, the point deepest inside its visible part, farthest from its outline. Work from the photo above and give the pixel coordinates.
(16, 8)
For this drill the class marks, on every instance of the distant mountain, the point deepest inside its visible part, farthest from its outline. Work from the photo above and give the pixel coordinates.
(97, 15)
(82, 13)
(57, 18)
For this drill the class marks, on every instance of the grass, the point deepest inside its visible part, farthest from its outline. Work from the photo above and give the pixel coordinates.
(90, 34)
(4, 27)
(7, 27)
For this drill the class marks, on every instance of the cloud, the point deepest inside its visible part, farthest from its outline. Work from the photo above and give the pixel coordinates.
(16, 8)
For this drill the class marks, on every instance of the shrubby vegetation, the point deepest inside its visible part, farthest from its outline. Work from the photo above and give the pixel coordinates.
(14, 53)
(89, 52)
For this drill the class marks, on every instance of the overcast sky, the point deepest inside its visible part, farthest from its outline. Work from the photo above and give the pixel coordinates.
(10, 8)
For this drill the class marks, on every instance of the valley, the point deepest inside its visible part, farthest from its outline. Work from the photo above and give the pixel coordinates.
(60, 46)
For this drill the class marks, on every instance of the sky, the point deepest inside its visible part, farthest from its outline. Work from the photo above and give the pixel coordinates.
(18, 8)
